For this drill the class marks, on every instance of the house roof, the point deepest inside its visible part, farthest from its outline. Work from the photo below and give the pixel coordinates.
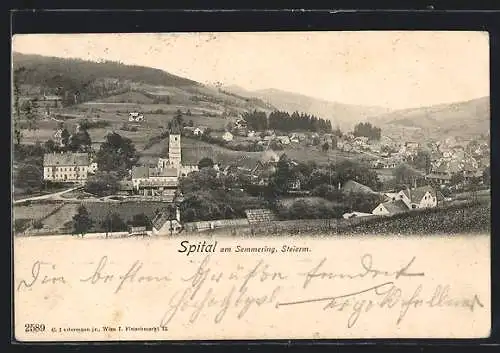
(416, 195)
(142, 172)
(395, 206)
(158, 183)
(55, 159)
(160, 219)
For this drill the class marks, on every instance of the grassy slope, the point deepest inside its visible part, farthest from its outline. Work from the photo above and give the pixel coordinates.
(459, 119)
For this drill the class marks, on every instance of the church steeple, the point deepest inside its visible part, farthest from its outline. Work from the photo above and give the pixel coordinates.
(174, 144)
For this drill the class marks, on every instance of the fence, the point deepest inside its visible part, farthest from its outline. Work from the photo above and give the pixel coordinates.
(219, 223)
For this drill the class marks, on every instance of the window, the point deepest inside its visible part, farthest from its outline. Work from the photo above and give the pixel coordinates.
(413, 206)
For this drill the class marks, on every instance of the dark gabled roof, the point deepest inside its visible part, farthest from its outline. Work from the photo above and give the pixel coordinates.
(142, 172)
(397, 206)
(416, 195)
(66, 159)
(159, 220)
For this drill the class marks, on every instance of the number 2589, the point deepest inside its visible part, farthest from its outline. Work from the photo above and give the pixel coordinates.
(34, 327)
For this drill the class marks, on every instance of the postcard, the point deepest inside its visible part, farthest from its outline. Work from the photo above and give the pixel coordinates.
(244, 186)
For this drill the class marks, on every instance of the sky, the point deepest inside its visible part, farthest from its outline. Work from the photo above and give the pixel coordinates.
(390, 69)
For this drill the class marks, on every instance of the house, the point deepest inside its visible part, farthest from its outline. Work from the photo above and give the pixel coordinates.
(284, 140)
(93, 168)
(390, 208)
(251, 133)
(240, 124)
(421, 197)
(411, 145)
(294, 184)
(199, 131)
(189, 130)
(227, 136)
(164, 224)
(154, 181)
(57, 137)
(294, 138)
(135, 117)
(125, 187)
(50, 101)
(66, 167)
(350, 215)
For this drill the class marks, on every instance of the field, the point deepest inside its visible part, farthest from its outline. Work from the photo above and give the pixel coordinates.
(34, 211)
(99, 210)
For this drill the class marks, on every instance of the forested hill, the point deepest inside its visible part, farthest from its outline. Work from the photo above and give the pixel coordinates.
(44, 69)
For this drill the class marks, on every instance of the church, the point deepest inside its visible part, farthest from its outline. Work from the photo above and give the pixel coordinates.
(163, 179)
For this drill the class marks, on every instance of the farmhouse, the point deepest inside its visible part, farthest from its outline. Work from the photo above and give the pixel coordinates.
(66, 167)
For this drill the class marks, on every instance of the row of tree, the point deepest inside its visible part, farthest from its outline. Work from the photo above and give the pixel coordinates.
(284, 121)
(367, 130)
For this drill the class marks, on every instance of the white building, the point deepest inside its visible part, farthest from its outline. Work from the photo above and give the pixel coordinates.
(135, 117)
(66, 167)
(227, 136)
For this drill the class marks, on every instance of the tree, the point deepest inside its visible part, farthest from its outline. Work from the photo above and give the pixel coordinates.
(82, 222)
(487, 176)
(65, 136)
(325, 147)
(117, 153)
(457, 178)
(280, 180)
(50, 146)
(17, 108)
(80, 142)
(30, 109)
(102, 183)
(205, 163)
(140, 220)
(113, 223)
(405, 175)
(29, 177)
(422, 161)
(367, 130)
(37, 224)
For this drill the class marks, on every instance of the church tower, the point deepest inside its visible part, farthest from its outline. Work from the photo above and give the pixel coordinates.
(174, 145)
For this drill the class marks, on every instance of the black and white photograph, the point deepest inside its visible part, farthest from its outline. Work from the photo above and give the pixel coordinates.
(249, 177)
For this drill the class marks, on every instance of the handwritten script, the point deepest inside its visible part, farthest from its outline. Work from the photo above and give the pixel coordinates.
(205, 291)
